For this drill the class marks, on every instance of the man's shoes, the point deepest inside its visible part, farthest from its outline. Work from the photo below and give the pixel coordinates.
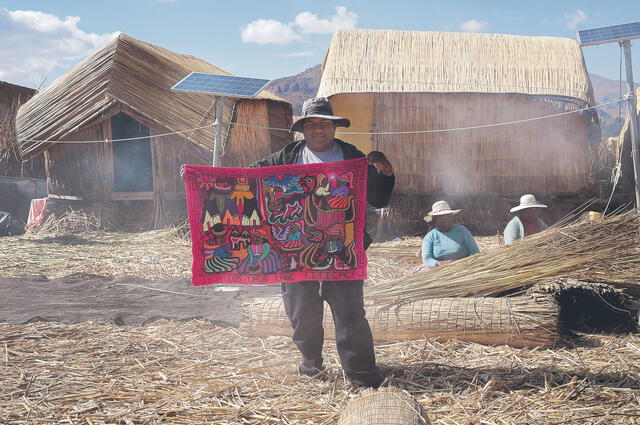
(314, 370)
(370, 380)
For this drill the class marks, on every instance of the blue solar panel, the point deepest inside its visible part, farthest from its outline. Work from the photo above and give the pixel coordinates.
(223, 85)
(609, 34)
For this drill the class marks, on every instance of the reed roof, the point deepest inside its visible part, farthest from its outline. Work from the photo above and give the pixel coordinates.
(430, 61)
(129, 75)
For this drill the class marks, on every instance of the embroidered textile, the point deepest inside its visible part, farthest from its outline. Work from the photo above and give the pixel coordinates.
(37, 212)
(285, 223)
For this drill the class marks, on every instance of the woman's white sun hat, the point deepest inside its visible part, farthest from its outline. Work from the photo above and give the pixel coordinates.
(440, 208)
(528, 201)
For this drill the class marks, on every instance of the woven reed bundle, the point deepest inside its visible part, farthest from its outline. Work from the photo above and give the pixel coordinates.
(515, 321)
(387, 406)
(606, 250)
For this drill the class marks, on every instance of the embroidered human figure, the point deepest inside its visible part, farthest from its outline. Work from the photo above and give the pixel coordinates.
(241, 192)
(217, 256)
(260, 257)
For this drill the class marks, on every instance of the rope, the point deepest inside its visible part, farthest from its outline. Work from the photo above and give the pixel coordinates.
(443, 130)
(115, 140)
(615, 176)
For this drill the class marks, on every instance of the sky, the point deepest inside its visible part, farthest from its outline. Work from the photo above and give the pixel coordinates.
(40, 40)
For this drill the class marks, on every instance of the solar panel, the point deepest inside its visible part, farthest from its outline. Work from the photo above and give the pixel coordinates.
(222, 85)
(609, 34)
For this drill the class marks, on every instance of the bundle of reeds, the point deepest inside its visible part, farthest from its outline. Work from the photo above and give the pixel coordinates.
(606, 250)
(68, 223)
(515, 321)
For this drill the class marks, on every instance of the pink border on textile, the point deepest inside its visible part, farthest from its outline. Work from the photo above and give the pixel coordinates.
(196, 207)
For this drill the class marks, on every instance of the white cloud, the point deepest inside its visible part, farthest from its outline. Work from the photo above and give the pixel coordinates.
(37, 45)
(268, 31)
(309, 23)
(473, 25)
(574, 20)
(294, 54)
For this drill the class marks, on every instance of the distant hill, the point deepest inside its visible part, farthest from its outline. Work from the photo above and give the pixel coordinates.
(611, 116)
(297, 88)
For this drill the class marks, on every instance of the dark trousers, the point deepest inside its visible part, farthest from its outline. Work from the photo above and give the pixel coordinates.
(304, 306)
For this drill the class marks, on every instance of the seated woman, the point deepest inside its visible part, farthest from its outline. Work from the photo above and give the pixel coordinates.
(447, 241)
(527, 220)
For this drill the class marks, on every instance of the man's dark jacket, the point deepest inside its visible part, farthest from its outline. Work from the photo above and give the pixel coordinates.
(379, 186)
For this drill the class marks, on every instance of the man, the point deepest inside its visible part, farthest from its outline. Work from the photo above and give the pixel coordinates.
(303, 301)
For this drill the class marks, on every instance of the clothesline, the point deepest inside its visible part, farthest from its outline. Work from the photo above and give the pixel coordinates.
(341, 132)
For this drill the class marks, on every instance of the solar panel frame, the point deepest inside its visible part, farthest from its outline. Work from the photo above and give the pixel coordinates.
(221, 85)
(610, 34)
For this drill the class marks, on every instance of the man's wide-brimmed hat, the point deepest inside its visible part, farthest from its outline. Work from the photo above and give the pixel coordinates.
(318, 107)
(528, 201)
(440, 208)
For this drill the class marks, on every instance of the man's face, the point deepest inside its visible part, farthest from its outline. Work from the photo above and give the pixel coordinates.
(319, 133)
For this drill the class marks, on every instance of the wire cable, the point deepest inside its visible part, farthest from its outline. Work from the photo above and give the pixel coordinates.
(443, 130)
(116, 140)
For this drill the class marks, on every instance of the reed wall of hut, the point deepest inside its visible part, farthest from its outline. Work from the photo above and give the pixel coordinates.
(543, 157)
(245, 145)
(422, 82)
(85, 171)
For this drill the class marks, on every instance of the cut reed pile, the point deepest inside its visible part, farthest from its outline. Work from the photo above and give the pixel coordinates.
(515, 321)
(71, 222)
(195, 373)
(77, 243)
(606, 250)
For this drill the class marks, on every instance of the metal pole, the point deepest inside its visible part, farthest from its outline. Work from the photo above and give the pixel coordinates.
(631, 101)
(218, 126)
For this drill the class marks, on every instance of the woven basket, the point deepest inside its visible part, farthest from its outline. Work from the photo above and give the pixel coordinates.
(387, 406)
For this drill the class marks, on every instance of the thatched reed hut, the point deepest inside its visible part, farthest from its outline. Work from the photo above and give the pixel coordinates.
(123, 91)
(11, 97)
(624, 157)
(391, 81)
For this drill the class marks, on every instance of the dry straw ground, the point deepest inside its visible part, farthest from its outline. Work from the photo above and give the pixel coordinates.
(197, 373)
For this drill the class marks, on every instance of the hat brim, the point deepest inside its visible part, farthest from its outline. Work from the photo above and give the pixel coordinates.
(522, 207)
(430, 216)
(339, 121)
